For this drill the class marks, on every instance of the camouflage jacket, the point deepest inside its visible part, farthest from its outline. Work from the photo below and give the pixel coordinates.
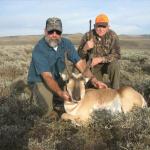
(107, 47)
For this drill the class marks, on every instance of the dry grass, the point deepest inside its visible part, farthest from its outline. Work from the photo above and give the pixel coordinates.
(21, 125)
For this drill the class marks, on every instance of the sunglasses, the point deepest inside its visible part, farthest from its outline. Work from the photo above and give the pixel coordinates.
(56, 31)
(101, 26)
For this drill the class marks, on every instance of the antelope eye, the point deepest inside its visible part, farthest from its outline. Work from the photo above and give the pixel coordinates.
(67, 81)
(82, 78)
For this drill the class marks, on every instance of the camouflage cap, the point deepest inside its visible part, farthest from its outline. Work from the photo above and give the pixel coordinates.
(53, 24)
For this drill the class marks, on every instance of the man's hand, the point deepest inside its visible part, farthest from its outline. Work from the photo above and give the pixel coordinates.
(53, 85)
(98, 84)
(96, 60)
(89, 44)
(65, 95)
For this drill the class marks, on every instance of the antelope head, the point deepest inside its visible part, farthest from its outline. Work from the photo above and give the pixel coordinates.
(75, 83)
(76, 87)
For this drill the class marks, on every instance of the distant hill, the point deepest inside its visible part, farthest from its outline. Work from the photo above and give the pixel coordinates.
(126, 41)
(136, 36)
(19, 40)
(135, 41)
(146, 35)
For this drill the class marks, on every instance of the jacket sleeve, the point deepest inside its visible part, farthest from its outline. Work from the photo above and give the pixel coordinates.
(114, 50)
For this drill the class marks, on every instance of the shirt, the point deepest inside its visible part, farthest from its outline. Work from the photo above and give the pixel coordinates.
(46, 59)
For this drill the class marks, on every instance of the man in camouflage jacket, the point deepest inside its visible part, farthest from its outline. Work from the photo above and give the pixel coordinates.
(101, 45)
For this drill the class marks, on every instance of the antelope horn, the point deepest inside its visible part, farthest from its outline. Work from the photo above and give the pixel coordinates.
(88, 65)
(66, 64)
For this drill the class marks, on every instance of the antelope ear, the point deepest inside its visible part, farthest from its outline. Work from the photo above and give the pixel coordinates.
(86, 79)
(64, 76)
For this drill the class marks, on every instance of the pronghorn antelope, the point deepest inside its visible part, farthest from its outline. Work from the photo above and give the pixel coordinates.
(85, 101)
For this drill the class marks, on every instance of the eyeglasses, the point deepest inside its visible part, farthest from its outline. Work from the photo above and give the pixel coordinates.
(101, 26)
(56, 31)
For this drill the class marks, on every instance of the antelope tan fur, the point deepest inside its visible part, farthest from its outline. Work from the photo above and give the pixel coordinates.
(79, 110)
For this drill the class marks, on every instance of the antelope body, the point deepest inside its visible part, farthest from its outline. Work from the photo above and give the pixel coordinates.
(79, 110)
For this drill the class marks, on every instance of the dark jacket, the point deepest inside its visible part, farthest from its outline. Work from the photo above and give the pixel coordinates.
(107, 46)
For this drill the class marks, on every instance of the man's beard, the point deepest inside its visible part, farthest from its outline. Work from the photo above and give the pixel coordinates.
(52, 42)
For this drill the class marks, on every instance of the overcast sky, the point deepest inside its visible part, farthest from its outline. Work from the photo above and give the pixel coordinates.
(27, 17)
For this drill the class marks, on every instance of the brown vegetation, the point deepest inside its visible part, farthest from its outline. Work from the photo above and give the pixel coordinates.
(21, 125)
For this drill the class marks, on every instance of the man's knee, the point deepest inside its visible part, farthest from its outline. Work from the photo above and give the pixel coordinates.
(114, 74)
(43, 98)
(114, 66)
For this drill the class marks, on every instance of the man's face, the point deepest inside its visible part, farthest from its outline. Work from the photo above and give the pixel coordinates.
(53, 37)
(101, 30)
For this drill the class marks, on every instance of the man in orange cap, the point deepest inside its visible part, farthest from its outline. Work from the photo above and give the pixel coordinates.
(103, 44)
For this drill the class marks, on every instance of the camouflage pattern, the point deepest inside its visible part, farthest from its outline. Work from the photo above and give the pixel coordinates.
(107, 47)
(53, 24)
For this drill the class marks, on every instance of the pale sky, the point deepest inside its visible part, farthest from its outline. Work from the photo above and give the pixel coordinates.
(28, 17)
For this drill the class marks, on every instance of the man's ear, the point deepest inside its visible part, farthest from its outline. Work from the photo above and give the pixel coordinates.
(108, 27)
(45, 31)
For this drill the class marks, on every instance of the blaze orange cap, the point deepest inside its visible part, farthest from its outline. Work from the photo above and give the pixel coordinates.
(102, 19)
